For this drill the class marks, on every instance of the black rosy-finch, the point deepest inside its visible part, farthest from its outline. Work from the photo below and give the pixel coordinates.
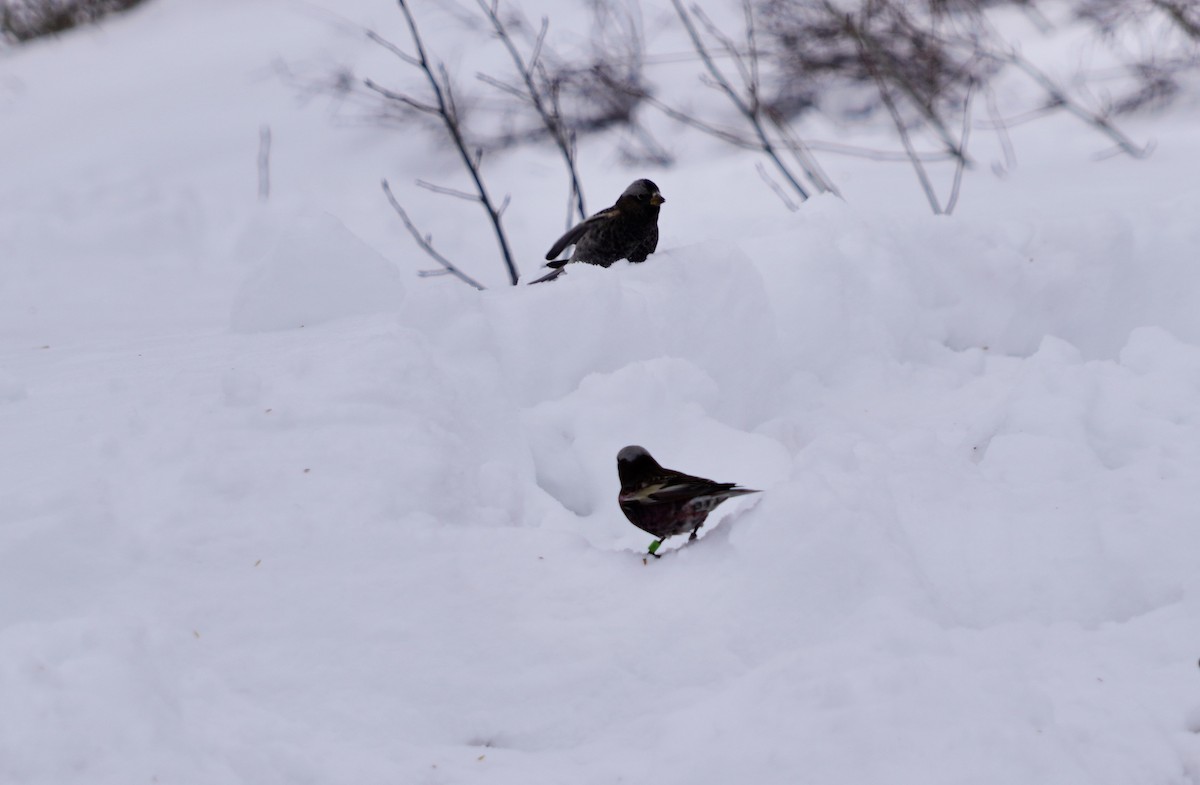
(665, 502)
(627, 230)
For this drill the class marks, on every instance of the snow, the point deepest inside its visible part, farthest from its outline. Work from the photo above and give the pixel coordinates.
(316, 272)
(273, 509)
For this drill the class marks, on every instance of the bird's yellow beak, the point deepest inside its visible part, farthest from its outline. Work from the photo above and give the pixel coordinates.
(656, 199)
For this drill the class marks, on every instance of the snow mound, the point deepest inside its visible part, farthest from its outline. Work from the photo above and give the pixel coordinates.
(316, 272)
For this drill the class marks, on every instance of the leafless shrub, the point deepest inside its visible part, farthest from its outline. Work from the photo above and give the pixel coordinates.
(1157, 83)
(1112, 15)
(1150, 77)
(827, 51)
(769, 132)
(540, 92)
(587, 95)
(923, 63)
(442, 105)
(24, 20)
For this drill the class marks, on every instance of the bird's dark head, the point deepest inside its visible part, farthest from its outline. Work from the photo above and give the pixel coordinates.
(635, 465)
(643, 193)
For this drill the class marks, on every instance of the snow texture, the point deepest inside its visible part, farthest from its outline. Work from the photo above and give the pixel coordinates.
(273, 509)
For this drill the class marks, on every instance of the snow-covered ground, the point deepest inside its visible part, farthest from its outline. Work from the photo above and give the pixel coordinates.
(273, 509)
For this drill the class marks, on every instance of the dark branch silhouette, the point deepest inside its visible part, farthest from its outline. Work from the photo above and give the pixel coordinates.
(542, 95)
(444, 108)
(749, 105)
(426, 243)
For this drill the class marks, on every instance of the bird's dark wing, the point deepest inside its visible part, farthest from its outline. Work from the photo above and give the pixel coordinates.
(577, 231)
(682, 491)
(677, 488)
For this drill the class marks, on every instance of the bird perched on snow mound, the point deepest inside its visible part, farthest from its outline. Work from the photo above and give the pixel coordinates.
(627, 230)
(664, 502)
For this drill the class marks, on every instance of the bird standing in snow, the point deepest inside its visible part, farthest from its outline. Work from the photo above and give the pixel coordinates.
(665, 502)
(627, 230)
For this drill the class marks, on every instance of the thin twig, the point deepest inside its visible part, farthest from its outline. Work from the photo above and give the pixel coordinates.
(877, 155)
(886, 96)
(775, 187)
(264, 163)
(802, 152)
(1179, 17)
(997, 122)
(441, 189)
(961, 164)
(792, 144)
(883, 65)
(503, 87)
(448, 112)
(449, 268)
(388, 45)
(752, 115)
(752, 46)
(744, 71)
(724, 135)
(1010, 153)
(407, 100)
(1060, 96)
(549, 114)
(918, 167)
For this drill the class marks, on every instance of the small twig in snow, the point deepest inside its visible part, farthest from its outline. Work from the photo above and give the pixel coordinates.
(264, 163)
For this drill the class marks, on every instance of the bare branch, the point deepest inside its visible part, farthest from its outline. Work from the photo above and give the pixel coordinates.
(752, 47)
(775, 187)
(712, 130)
(1057, 94)
(790, 142)
(447, 111)
(918, 167)
(448, 105)
(388, 45)
(801, 152)
(1010, 154)
(535, 55)
(448, 267)
(876, 155)
(961, 164)
(400, 97)
(548, 111)
(751, 111)
(439, 189)
(881, 66)
(503, 87)
(886, 96)
(727, 44)
(1176, 12)
(995, 121)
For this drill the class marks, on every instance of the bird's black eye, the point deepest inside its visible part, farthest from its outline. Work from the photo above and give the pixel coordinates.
(644, 197)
